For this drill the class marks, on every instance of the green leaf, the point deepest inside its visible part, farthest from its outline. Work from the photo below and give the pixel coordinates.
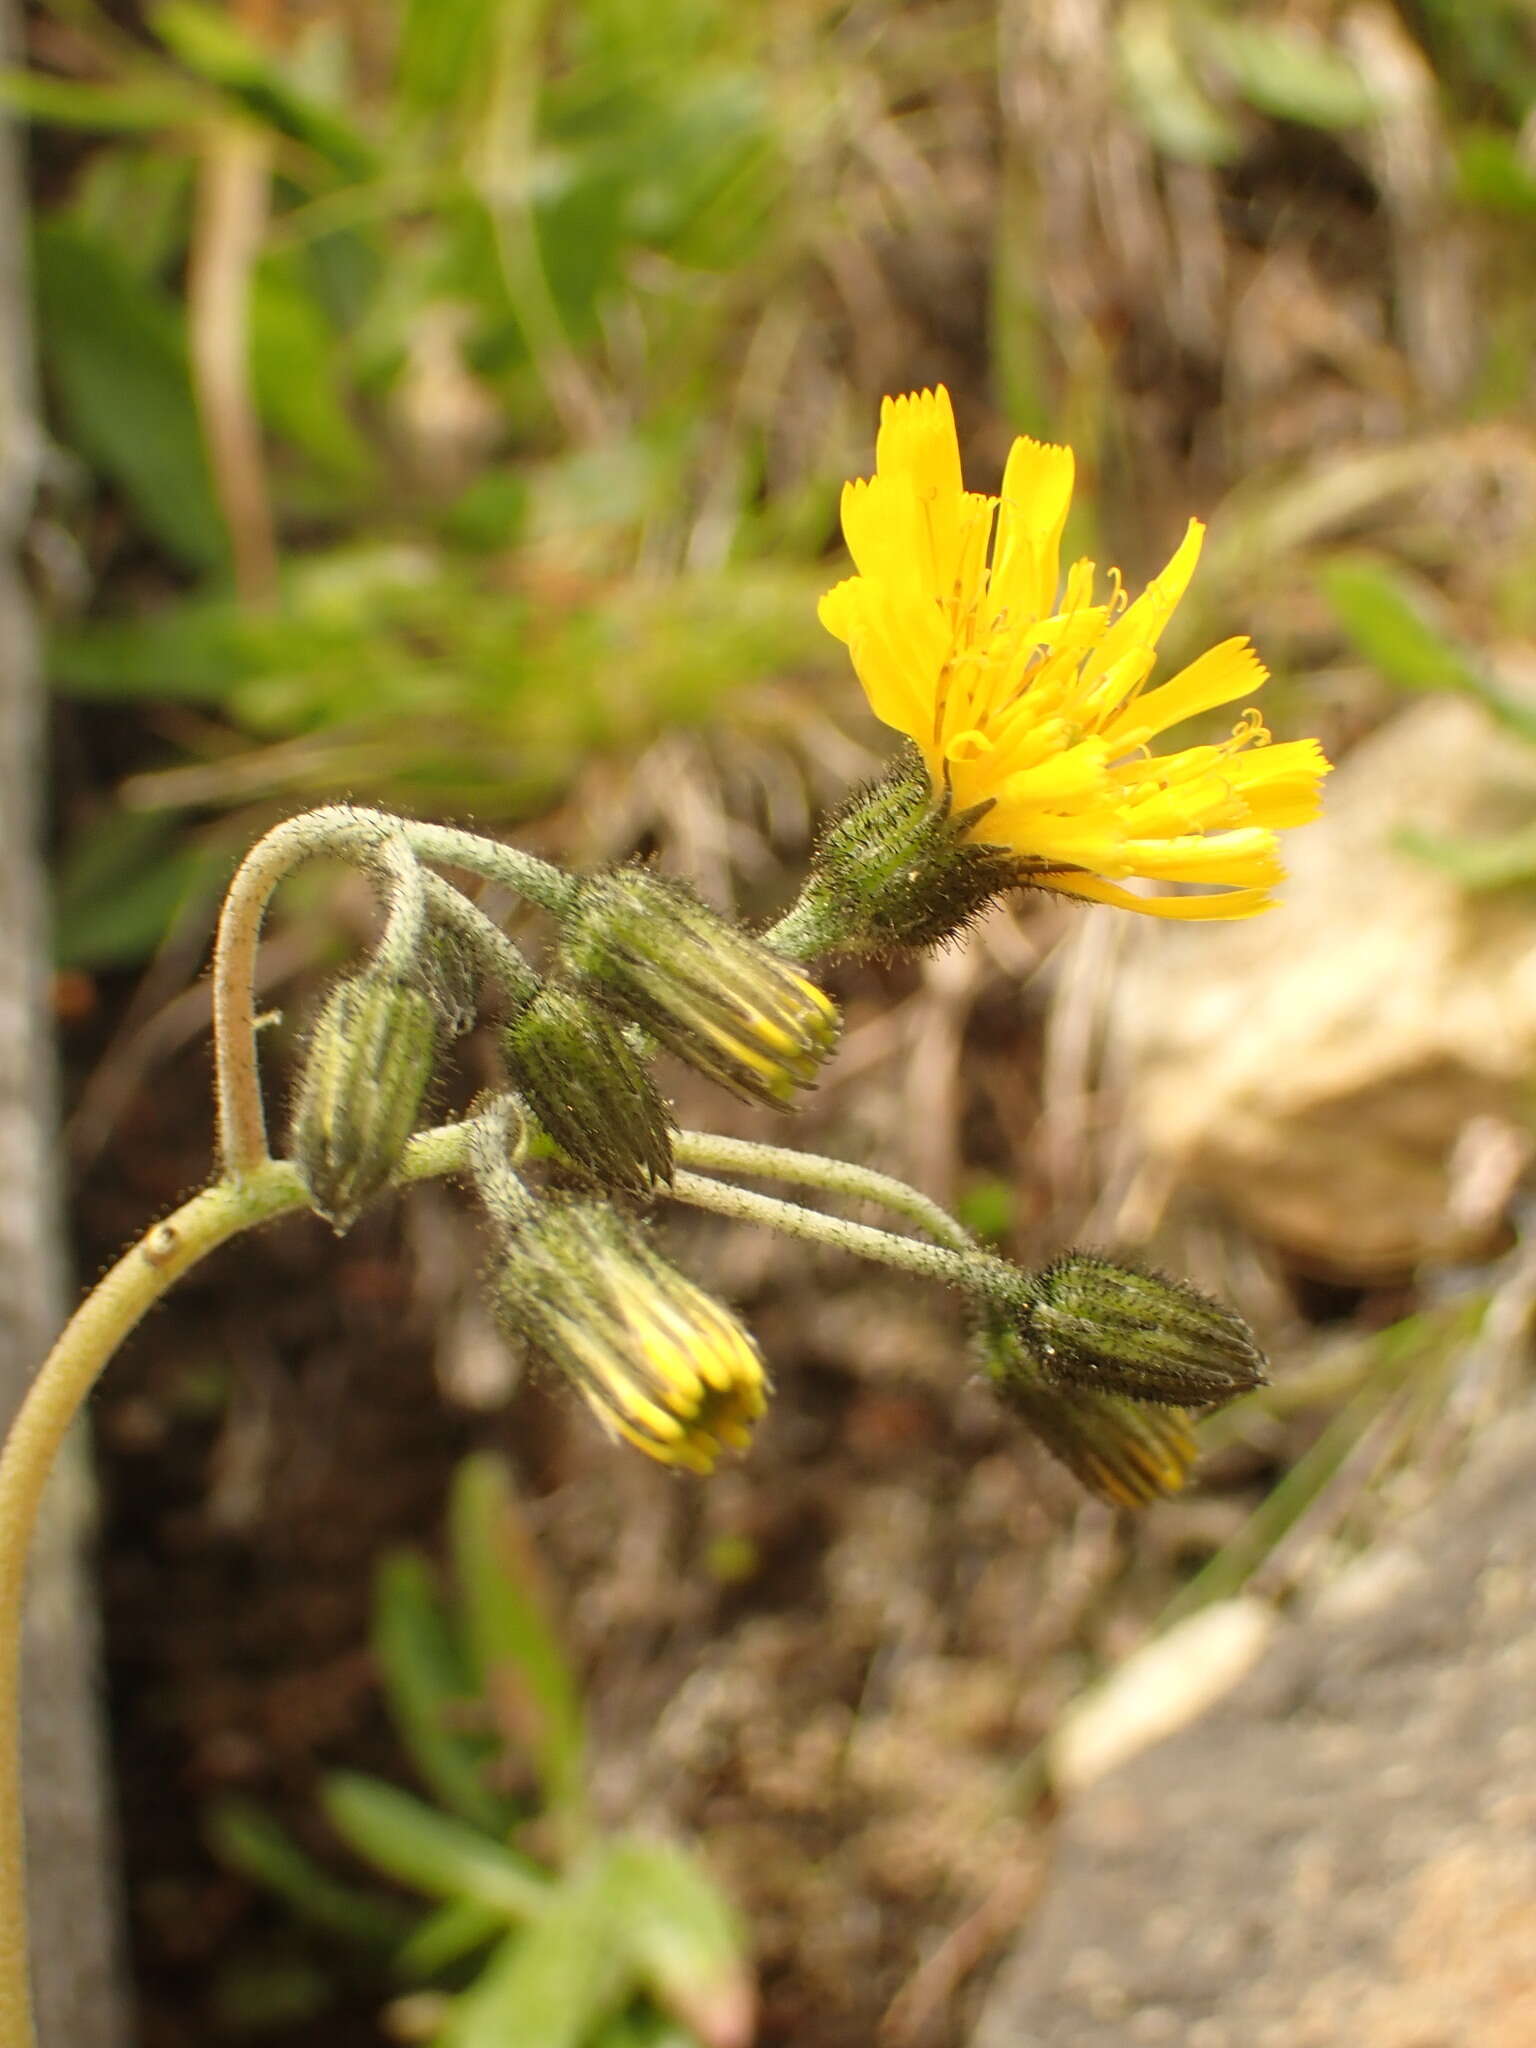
(643, 2027)
(117, 362)
(218, 49)
(196, 651)
(443, 52)
(257, 1994)
(294, 368)
(139, 101)
(1492, 172)
(521, 1666)
(1293, 76)
(1164, 93)
(429, 1851)
(549, 1984)
(1390, 619)
(683, 1936)
(252, 1843)
(1504, 860)
(446, 1937)
(429, 1682)
(122, 884)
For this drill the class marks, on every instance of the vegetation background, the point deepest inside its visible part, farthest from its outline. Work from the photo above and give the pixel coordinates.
(448, 401)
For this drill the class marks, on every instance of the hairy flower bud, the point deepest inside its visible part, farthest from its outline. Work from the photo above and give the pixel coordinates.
(658, 1361)
(589, 1092)
(369, 1062)
(653, 951)
(1093, 1323)
(894, 870)
(1128, 1453)
(450, 979)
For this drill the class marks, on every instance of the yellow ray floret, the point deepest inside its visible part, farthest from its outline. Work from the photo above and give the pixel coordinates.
(1027, 696)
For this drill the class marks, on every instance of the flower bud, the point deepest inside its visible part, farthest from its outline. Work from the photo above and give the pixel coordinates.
(894, 872)
(651, 950)
(657, 1360)
(450, 978)
(369, 1061)
(589, 1092)
(1109, 1328)
(1128, 1453)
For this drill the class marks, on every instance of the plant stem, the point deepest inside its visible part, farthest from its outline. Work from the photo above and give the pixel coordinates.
(109, 1312)
(551, 888)
(404, 927)
(801, 934)
(106, 1316)
(347, 832)
(835, 1176)
(930, 1262)
(497, 955)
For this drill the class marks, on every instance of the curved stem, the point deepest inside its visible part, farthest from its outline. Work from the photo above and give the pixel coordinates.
(834, 1176)
(346, 830)
(498, 956)
(404, 927)
(106, 1316)
(109, 1312)
(551, 888)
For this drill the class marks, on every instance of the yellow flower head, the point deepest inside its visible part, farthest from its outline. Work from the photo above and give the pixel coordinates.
(1025, 695)
(657, 1360)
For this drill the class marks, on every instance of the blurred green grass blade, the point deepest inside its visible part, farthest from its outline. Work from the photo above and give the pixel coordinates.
(197, 650)
(1412, 1350)
(137, 102)
(443, 50)
(1389, 620)
(551, 1983)
(429, 1851)
(644, 2027)
(446, 1937)
(1284, 72)
(257, 1994)
(216, 48)
(1492, 171)
(518, 1658)
(683, 1936)
(251, 1842)
(122, 883)
(428, 1681)
(1386, 617)
(1487, 42)
(295, 368)
(117, 362)
(1504, 860)
(1163, 91)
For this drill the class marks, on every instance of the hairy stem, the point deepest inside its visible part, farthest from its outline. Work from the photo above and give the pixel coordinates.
(347, 832)
(927, 1261)
(106, 1316)
(497, 955)
(109, 1312)
(833, 1176)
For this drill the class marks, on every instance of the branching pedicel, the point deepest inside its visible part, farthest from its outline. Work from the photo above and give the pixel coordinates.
(1102, 1361)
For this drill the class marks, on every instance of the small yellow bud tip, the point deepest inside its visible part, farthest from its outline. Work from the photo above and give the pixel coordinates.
(1026, 695)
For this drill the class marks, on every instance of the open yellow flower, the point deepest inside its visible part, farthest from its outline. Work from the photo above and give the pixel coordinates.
(1027, 696)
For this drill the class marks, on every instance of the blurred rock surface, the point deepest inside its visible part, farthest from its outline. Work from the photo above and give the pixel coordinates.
(1317, 1068)
(1345, 1848)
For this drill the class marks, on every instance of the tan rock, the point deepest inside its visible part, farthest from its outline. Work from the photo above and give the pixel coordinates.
(1318, 1066)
